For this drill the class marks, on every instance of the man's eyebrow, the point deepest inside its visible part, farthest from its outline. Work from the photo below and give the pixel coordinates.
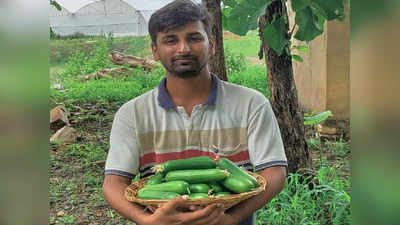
(169, 36)
(195, 33)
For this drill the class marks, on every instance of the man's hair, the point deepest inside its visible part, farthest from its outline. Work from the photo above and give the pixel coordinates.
(177, 14)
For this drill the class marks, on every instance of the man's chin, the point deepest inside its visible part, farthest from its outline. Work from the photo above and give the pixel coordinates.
(186, 74)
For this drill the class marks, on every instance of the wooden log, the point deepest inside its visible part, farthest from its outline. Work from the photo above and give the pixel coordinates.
(106, 73)
(120, 58)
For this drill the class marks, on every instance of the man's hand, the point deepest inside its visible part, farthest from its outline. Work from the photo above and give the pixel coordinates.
(170, 214)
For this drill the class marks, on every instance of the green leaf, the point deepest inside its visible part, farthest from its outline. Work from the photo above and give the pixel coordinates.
(309, 26)
(334, 9)
(244, 16)
(297, 58)
(317, 119)
(301, 48)
(225, 14)
(55, 4)
(137, 177)
(230, 3)
(274, 35)
(298, 5)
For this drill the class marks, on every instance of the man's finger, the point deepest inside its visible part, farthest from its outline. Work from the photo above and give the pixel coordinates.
(195, 207)
(200, 214)
(213, 219)
(174, 203)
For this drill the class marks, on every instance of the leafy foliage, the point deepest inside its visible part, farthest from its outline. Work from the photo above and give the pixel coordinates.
(308, 24)
(310, 17)
(274, 33)
(244, 15)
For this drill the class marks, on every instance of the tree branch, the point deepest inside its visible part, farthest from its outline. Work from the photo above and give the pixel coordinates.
(291, 32)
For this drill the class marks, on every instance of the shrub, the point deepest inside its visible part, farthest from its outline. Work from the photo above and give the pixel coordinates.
(234, 62)
(84, 63)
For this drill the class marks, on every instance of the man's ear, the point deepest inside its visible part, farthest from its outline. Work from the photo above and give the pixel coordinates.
(154, 50)
(211, 42)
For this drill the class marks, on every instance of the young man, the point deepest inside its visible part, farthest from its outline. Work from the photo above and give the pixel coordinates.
(191, 113)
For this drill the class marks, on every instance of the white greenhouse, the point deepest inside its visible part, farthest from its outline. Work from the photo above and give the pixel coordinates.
(96, 17)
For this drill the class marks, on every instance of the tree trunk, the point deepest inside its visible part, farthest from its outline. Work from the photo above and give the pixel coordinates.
(217, 62)
(283, 96)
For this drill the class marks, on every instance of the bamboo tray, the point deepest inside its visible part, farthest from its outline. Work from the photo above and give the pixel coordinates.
(226, 201)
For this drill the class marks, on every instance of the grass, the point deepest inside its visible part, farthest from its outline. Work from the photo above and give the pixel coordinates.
(247, 45)
(75, 178)
(322, 199)
(61, 50)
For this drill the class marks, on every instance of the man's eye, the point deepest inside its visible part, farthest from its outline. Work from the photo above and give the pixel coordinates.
(196, 39)
(169, 41)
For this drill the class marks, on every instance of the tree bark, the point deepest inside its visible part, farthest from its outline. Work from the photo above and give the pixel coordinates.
(217, 62)
(283, 95)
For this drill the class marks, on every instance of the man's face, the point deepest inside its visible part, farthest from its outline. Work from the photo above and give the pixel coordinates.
(184, 51)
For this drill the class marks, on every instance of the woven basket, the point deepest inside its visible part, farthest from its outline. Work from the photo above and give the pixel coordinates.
(226, 201)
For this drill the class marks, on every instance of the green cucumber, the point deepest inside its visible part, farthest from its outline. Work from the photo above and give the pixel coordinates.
(198, 195)
(149, 194)
(201, 162)
(232, 168)
(216, 187)
(238, 184)
(180, 187)
(197, 176)
(223, 193)
(199, 188)
(155, 179)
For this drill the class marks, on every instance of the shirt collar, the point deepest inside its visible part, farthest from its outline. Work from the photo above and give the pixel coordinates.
(165, 101)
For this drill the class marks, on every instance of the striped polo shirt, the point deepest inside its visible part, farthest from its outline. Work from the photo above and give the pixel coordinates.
(235, 122)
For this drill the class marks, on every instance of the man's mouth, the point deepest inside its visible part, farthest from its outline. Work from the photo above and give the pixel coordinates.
(183, 59)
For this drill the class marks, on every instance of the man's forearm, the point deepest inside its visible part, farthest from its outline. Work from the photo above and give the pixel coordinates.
(113, 190)
(275, 177)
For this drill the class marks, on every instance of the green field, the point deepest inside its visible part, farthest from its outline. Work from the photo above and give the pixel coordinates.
(248, 45)
(76, 170)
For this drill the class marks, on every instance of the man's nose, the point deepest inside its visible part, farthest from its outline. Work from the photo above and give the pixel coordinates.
(183, 47)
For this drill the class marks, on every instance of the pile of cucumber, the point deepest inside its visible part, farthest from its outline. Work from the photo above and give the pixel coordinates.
(197, 177)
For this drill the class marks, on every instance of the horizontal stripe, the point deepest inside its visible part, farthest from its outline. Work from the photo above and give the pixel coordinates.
(161, 141)
(272, 163)
(154, 158)
(146, 172)
(119, 173)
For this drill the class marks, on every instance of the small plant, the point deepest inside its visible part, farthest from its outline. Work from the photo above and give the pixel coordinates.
(234, 62)
(80, 63)
(67, 219)
(339, 148)
(314, 143)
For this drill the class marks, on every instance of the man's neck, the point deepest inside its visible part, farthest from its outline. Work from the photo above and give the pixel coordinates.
(189, 92)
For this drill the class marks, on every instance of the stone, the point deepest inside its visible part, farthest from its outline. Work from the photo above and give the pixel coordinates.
(65, 135)
(58, 118)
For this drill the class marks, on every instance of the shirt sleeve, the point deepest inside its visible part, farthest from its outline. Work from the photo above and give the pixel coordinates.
(264, 139)
(123, 155)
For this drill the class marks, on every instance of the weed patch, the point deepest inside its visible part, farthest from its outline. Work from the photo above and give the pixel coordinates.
(322, 199)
